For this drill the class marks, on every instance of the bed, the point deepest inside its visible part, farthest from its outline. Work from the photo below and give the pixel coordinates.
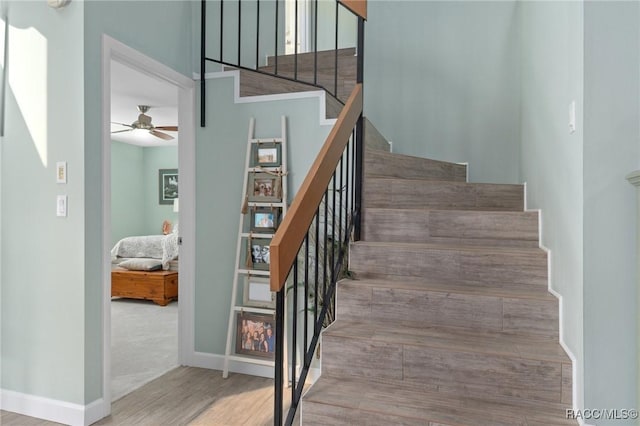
(146, 267)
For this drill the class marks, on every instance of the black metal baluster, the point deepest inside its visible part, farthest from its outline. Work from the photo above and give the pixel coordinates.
(333, 229)
(347, 195)
(353, 171)
(279, 359)
(294, 331)
(257, 34)
(203, 55)
(317, 265)
(341, 207)
(315, 44)
(324, 271)
(295, 43)
(335, 74)
(276, 42)
(306, 294)
(221, 28)
(239, 30)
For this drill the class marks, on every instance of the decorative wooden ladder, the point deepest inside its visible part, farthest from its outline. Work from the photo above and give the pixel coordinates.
(264, 203)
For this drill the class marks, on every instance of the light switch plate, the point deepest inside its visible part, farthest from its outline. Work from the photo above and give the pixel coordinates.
(61, 206)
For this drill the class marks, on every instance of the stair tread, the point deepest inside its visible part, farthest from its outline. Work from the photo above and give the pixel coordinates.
(420, 406)
(457, 339)
(395, 155)
(532, 251)
(489, 289)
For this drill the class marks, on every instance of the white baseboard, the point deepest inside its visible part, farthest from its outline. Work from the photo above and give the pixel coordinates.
(216, 362)
(51, 409)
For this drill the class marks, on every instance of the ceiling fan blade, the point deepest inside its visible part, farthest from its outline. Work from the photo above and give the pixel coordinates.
(161, 135)
(167, 128)
(122, 131)
(122, 124)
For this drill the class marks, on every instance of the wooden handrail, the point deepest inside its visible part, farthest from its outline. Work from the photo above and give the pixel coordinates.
(359, 7)
(293, 229)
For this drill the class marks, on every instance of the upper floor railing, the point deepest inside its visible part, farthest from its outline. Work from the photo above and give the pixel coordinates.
(311, 42)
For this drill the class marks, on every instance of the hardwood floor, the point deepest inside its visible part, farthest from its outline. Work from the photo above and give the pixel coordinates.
(185, 396)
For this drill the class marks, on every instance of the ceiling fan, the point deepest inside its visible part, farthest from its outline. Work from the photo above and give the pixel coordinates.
(144, 123)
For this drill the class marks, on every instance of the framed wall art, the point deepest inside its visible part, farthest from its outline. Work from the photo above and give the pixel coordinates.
(167, 185)
(257, 293)
(266, 154)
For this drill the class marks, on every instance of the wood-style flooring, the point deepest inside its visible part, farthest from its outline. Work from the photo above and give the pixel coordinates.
(185, 396)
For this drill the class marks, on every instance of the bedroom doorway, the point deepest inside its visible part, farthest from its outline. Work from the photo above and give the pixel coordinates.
(144, 228)
(148, 203)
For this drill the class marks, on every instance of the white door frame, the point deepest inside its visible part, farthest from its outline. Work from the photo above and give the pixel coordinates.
(117, 51)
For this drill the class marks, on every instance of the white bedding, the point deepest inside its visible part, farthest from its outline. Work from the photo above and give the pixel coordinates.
(163, 247)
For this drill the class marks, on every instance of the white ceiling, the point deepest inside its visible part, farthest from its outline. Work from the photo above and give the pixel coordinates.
(130, 88)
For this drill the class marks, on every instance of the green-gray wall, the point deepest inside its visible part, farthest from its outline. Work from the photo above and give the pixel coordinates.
(135, 209)
(588, 52)
(442, 81)
(43, 287)
(611, 132)
(551, 158)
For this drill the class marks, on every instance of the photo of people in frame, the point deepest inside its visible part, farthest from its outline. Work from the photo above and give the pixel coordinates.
(255, 335)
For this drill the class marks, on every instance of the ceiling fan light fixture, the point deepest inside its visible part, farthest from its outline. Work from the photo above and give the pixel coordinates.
(144, 123)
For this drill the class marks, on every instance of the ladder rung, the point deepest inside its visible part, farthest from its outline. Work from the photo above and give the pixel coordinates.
(265, 140)
(256, 310)
(255, 235)
(251, 360)
(255, 272)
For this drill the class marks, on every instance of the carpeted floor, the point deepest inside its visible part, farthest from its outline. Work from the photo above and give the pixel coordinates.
(144, 343)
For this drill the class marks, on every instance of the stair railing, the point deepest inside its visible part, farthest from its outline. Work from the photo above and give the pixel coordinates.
(251, 36)
(310, 248)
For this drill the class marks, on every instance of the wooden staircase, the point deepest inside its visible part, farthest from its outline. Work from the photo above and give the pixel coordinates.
(448, 320)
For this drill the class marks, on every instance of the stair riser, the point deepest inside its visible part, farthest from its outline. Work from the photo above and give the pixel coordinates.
(399, 166)
(307, 59)
(452, 226)
(449, 265)
(335, 415)
(483, 313)
(323, 415)
(468, 372)
(410, 194)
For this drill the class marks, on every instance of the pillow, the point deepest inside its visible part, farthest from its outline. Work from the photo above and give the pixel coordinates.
(141, 264)
(175, 229)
